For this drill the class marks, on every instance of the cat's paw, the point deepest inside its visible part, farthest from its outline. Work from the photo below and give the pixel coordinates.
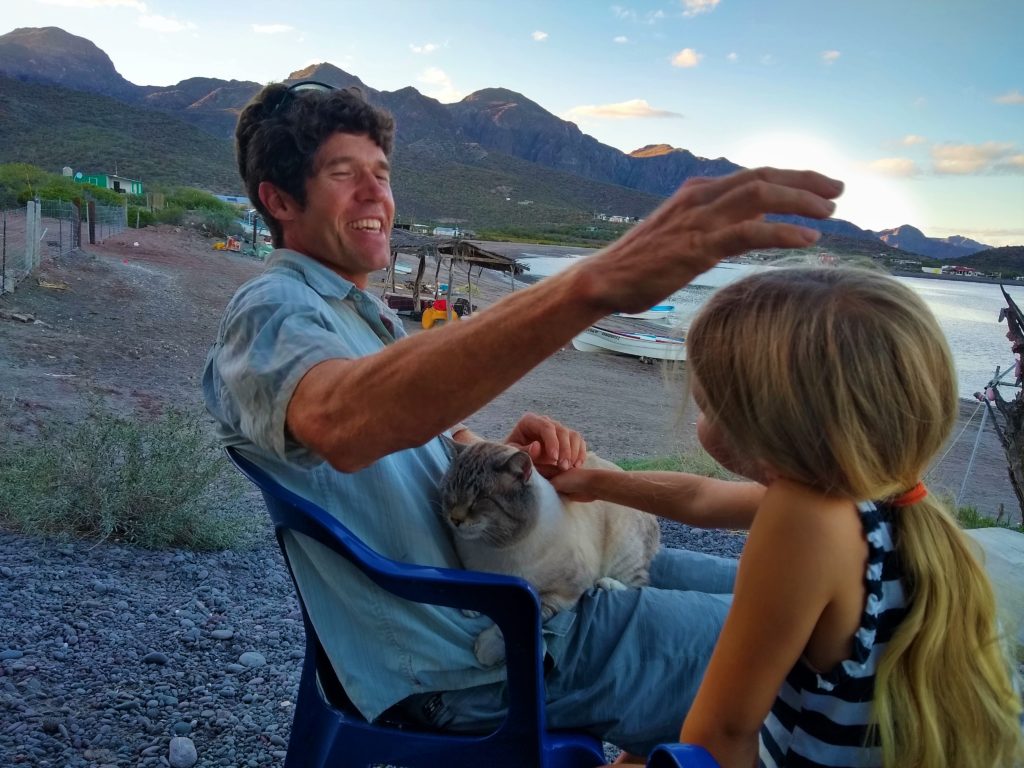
(469, 613)
(610, 584)
(490, 646)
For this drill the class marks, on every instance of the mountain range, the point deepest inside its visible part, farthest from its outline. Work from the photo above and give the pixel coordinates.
(494, 158)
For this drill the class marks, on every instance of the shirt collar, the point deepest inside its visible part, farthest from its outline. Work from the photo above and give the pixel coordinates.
(320, 278)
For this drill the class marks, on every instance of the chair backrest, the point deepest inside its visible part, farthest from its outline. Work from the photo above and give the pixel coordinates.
(512, 603)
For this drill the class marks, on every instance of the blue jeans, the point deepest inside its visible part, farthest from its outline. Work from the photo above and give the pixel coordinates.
(629, 662)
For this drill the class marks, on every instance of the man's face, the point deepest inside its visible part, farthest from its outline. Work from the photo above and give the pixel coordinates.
(349, 209)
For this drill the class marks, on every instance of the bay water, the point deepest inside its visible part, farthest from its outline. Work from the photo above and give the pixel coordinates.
(967, 312)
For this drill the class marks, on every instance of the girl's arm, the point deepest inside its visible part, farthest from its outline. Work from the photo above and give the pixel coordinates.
(699, 501)
(798, 549)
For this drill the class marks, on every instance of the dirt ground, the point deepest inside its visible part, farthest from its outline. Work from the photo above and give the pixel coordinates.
(131, 319)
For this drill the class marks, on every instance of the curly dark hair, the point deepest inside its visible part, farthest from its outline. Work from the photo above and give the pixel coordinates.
(279, 133)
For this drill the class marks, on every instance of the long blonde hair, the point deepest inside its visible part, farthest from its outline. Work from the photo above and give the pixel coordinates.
(841, 379)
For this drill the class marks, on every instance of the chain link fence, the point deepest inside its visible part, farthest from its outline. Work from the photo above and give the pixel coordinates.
(50, 228)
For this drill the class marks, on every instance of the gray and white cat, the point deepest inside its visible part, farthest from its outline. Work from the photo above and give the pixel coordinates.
(506, 518)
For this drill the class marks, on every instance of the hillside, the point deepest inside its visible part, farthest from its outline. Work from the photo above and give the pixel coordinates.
(51, 127)
(456, 160)
(1009, 259)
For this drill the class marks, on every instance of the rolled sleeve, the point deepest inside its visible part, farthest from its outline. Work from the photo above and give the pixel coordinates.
(267, 343)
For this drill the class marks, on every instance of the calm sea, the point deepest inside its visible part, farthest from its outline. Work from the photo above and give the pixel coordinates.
(967, 312)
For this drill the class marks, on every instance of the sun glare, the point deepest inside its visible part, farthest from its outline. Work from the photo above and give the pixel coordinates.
(870, 201)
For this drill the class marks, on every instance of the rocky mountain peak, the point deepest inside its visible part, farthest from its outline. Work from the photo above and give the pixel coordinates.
(51, 55)
(654, 150)
(329, 74)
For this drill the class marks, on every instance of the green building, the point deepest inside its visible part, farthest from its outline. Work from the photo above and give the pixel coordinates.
(110, 181)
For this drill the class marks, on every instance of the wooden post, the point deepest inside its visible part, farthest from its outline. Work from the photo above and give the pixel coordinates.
(91, 213)
(451, 273)
(416, 306)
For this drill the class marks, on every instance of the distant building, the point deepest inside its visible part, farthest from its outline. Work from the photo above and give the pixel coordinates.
(447, 231)
(953, 269)
(110, 181)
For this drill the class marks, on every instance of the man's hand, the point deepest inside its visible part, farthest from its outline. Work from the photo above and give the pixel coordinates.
(552, 446)
(706, 220)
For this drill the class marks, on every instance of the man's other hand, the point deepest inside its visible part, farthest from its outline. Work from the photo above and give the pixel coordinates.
(552, 446)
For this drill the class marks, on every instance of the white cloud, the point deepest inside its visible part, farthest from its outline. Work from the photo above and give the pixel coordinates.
(829, 57)
(164, 23)
(623, 13)
(539, 36)
(894, 166)
(696, 7)
(624, 110)
(1011, 97)
(655, 16)
(687, 58)
(768, 59)
(732, 56)
(620, 39)
(271, 29)
(920, 102)
(439, 85)
(977, 159)
(136, 4)
(911, 139)
(425, 48)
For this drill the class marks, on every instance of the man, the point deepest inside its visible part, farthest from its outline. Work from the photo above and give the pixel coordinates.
(312, 378)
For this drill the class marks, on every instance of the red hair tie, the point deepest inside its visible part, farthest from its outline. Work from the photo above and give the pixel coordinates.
(908, 498)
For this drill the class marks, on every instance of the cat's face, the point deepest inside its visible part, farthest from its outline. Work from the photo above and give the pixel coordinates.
(486, 494)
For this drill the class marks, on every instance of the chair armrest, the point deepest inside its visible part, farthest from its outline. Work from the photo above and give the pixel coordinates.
(680, 756)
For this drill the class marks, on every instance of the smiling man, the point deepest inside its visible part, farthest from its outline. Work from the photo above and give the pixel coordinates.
(312, 378)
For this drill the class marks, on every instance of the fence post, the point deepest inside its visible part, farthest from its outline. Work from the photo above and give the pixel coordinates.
(91, 208)
(30, 234)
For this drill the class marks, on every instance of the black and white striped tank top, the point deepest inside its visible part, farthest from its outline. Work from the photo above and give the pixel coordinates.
(821, 719)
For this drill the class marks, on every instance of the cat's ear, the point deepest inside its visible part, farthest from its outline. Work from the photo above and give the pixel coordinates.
(520, 466)
(451, 447)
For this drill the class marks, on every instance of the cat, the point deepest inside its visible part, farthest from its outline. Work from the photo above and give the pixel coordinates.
(506, 518)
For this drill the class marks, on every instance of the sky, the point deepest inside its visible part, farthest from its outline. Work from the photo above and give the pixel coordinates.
(918, 105)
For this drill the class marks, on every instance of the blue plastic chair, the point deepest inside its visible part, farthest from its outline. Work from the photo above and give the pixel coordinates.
(680, 756)
(328, 731)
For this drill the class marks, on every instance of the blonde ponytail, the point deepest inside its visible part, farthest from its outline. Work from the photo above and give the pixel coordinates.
(944, 692)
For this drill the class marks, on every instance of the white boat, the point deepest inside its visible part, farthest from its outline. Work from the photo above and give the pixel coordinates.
(662, 312)
(646, 346)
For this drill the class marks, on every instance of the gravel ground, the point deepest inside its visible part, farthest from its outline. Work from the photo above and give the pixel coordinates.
(115, 656)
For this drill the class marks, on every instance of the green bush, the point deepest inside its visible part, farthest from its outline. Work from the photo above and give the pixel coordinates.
(172, 214)
(151, 483)
(219, 223)
(140, 217)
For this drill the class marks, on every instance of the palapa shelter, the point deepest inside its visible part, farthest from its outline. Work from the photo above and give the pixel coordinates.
(445, 249)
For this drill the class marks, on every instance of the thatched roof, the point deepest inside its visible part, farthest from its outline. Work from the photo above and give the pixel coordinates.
(466, 251)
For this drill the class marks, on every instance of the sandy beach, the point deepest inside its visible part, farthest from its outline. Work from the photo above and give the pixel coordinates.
(140, 310)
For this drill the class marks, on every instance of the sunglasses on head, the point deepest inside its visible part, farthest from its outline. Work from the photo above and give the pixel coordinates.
(298, 89)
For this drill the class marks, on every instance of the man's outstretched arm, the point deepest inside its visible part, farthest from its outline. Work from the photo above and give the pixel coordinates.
(352, 412)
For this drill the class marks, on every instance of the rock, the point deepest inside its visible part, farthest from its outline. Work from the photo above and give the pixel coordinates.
(182, 753)
(155, 658)
(222, 634)
(252, 659)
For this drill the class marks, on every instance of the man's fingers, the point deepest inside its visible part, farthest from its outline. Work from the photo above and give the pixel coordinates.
(705, 191)
(750, 234)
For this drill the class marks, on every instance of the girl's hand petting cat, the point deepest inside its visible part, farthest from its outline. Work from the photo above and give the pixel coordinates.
(552, 446)
(574, 484)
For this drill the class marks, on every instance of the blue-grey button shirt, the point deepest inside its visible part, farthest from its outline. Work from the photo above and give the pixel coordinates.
(279, 325)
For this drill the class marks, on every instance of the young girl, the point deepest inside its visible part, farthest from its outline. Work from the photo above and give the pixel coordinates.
(863, 631)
